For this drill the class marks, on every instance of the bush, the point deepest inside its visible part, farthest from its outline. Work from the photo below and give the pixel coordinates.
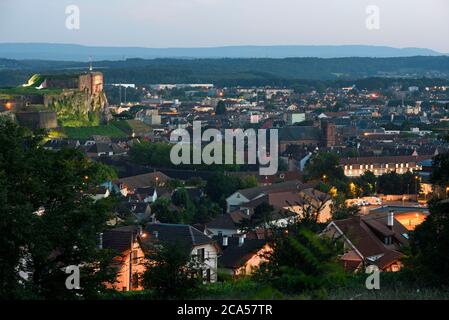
(301, 262)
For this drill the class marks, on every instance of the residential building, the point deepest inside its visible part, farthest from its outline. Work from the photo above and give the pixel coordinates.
(129, 185)
(130, 259)
(373, 239)
(203, 249)
(355, 167)
(289, 200)
(240, 255)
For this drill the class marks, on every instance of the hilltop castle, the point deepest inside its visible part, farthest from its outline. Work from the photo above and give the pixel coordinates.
(48, 101)
(90, 82)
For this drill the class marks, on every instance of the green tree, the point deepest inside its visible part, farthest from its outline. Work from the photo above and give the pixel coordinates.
(248, 182)
(326, 167)
(394, 183)
(340, 210)
(390, 183)
(262, 217)
(219, 186)
(367, 183)
(161, 209)
(150, 153)
(263, 214)
(440, 173)
(46, 221)
(174, 184)
(105, 172)
(310, 209)
(206, 210)
(430, 244)
(170, 271)
(180, 197)
(221, 108)
(301, 262)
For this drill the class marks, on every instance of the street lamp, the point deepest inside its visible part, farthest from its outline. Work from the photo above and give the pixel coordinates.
(416, 187)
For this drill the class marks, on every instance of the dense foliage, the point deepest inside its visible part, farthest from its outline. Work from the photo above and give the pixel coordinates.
(229, 72)
(219, 186)
(440, 173)
(301, 261)
(46, 221)
(394, 183)
(430, 244)
(170, 271)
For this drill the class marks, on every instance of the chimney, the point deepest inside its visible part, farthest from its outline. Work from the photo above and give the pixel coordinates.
(225, 241)
(100, 240)
(390, 222)
(242, 239)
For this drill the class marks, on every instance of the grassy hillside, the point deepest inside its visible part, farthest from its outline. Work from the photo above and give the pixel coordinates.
(109, 130)
(132, 126)
(28, 90)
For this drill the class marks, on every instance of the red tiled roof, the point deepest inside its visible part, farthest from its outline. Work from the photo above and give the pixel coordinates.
(367, 233)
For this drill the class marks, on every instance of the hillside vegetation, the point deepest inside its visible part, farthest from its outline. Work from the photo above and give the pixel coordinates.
(236, 71)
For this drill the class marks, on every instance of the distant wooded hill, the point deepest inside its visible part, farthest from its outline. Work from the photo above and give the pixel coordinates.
(72, 52)
(243, 72)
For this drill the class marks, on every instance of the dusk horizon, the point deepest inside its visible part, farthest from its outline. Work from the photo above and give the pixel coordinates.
(224, 159)
(78, 52)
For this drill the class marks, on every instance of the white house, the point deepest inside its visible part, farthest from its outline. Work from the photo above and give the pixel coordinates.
(203, 249)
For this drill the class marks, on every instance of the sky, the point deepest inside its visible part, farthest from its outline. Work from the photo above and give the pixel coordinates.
(210, 23)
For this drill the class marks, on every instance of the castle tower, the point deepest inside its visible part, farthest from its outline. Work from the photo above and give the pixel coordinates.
(329, 132)
(91, 82)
